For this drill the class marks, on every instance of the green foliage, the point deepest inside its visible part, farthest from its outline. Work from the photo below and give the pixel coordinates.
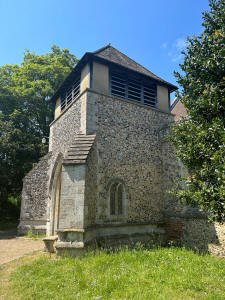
(25, 113)
(200, 138)
(126, 274)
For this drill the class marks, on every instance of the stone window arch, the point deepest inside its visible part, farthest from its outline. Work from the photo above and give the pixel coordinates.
(117, 198)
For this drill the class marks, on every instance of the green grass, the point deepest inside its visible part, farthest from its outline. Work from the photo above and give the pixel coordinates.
(168, 273)
(33, 236)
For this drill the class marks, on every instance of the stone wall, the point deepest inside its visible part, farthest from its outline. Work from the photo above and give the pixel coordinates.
(34, 197)
(196, 233)
(91, 188)
(128, 149)
(201, 235)
(186, 225)
(172, 171)
(71, 211)
(35, 208)
(131, 145)
(64, 129)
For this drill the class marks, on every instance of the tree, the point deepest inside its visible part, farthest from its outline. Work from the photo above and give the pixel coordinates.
(199, 139)
(25, 113)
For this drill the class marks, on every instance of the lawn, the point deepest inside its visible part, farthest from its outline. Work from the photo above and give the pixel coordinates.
(167, 273)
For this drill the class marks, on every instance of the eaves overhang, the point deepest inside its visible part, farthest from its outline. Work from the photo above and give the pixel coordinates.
(89, 57)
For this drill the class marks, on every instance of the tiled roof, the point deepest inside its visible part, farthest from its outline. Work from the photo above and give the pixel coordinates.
(178, 109)
(79, 149)
(113, 55)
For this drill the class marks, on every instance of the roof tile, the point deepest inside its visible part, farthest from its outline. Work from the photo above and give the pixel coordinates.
(111, 54)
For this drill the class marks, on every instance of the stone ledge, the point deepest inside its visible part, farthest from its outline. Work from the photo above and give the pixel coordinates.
(69, 245)
(25, 226)
(71, 230)
(187, 215)
(73, 161)
(78, 152)
(105, 225)
(50, 238)
(110, 96)
(33, 220)
(49, 243)
(78, 248)
(128, 101)
(92, 235)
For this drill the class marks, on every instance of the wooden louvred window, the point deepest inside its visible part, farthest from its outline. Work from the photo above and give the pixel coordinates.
(132, 89)
(71, 93)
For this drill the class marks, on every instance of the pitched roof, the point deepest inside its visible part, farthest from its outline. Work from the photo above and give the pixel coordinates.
(109, 54)
(177, 108)
(113, 55)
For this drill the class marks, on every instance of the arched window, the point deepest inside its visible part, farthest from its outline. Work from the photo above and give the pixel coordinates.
(117, 196)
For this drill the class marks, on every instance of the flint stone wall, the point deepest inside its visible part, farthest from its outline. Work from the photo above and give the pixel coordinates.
(64, 129)
(197, 233)
(131, 145)
(204, 236)
(34, 197)
(186, 225)
(91, 188)
(128, 149)
(62, 134)
(35, 208)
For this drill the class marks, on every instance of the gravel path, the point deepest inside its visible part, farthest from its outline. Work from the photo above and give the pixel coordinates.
(13, 247)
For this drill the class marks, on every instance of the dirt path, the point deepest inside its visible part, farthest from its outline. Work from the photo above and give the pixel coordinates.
(13, 247)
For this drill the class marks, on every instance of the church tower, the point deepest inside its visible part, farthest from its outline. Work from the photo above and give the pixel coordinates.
(103, 178)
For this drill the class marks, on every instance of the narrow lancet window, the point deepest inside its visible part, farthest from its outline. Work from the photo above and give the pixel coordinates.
(113, 200)
(117, 199)
(120, 199)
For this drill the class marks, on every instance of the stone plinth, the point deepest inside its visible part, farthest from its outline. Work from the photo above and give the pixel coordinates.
(74, 242)
(49, 243)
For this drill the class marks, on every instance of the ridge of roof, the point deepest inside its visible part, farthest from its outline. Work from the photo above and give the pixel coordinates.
(101, 49)
(112, 54)
(116, 57)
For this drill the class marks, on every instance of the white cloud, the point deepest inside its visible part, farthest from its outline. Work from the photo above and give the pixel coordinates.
(164, 45)
(176, 57)
(180, 44)
(175, 51)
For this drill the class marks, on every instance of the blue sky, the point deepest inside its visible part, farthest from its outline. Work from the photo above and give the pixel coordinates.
(152, 32)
